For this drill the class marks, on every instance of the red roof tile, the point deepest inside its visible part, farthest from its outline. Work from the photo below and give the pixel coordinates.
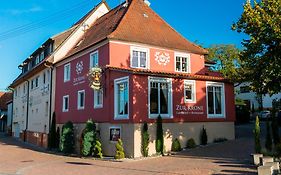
(135, 23)
(4, 98)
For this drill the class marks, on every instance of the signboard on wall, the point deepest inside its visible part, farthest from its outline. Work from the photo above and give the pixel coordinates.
(194, 110)
(115, 134)
(80, 79)
(95, 78)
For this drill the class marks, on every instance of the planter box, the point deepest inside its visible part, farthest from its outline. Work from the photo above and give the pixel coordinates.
(274, 165)
(257, 159)
(266, 160)
(265, 170)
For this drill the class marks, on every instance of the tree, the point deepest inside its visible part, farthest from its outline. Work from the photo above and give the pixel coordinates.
(52, 134)
(145, 140)
(120, 154)
(227, 61)
(257, 138)
(67, 138)
(159, 136)
(261, 22)
(89, 138)
(204, 136)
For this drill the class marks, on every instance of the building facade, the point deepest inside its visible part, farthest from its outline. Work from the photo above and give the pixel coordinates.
(34, 92)
(252, 99)
(148, 70)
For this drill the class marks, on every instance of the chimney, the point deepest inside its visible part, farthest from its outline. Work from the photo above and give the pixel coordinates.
(147, 2)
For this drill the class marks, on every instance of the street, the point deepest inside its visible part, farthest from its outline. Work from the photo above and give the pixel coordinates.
(231, 157)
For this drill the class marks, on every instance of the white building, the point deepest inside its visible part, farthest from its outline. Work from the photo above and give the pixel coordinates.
(33, 102)
(244, 92)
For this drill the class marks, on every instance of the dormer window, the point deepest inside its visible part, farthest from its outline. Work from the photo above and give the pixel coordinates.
(42, 56)
(139, 57)
(37, 59)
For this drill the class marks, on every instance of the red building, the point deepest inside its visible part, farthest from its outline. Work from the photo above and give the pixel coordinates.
(148, 69)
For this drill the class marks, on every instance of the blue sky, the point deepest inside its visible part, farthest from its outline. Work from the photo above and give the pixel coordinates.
(207, 22)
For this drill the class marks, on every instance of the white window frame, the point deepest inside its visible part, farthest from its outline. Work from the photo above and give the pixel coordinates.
(63, 103)
(65, 77)
(216, 84)
(139, 49)
(170, 96)
(79, 107)
(91, 59)
(116, 82)
(96, 106)
(185, 55)
(193, 89)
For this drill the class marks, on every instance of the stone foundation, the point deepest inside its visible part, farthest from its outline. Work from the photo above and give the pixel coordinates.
(131, 135)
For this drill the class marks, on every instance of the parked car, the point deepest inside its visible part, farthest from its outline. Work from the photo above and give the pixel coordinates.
(264, 114)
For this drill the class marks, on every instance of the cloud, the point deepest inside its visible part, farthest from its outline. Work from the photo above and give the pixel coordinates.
(24, 11)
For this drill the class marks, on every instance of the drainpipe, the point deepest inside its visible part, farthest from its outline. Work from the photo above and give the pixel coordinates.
(27, 110)
(51, 94)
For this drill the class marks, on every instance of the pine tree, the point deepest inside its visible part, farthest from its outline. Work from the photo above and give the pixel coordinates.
(120, 154)
(145, 140)
(268, 141)
(159, 136)
(57, 138)
(52, 133)
(67, 138)
(204, 137)
(257, 136)
(98, 149)
(89, 138)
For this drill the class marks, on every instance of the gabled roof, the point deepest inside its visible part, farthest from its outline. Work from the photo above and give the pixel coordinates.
(135, 23)
(4, 98)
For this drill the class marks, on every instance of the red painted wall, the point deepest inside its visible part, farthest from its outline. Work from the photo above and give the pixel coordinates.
(118, 55)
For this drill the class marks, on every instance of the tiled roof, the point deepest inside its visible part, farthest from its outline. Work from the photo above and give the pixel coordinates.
(135, 23)
(4, 98)
(217, 77)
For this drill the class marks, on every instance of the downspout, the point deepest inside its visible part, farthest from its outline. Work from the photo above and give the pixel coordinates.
(27, 109)
(51, 94)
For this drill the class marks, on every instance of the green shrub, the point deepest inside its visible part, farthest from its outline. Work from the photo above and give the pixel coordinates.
(145, 140)
(190, 143)
(159, 136)
(58, 137)
(52, 134)
(268, 140)
(98, 150)
(176, 145)
(89, 138)
(67, 138)
(120, 154)
(204, 137)
(275, 129)
(218, 140)
(278, 149)
(257, 136)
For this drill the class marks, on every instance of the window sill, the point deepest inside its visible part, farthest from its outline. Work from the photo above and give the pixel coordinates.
(65, 111)
(98, 106)
(121, 117)
(80, 108)
(139, 67)
(216, 116)
(189, 101)
(163, 116)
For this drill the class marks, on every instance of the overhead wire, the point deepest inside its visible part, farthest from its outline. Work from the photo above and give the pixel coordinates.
(53, 18)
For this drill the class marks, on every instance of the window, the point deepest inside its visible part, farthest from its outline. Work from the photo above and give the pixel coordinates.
(98, 98)
(215, 100)
(37, 81)
(37, 59)
(32, 84)
(44, 77)
(183, 63)
(81, 99)
(94, 59)
(65, 105)
(121, 97)
(244, 89)
(67, 72)
(189, 91)
(139, 57)
(160, 97)
(42, 56)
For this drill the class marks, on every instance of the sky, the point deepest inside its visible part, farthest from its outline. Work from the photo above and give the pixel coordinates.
(26, 24)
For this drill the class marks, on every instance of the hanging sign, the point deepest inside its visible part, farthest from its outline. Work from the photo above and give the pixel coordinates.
(95, 78)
